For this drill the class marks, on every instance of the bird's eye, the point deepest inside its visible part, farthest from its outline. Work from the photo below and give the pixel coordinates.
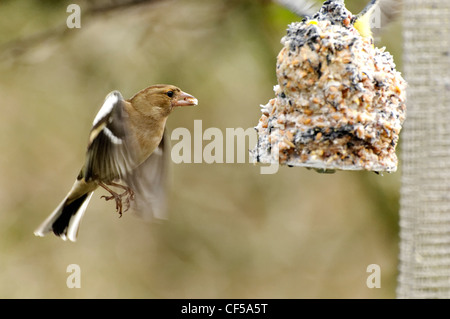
(169, 93)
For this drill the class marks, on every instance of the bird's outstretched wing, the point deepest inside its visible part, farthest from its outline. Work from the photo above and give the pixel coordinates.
(149, 183)
(109, 155)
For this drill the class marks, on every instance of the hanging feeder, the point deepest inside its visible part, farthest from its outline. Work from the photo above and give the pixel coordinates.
(339, 102)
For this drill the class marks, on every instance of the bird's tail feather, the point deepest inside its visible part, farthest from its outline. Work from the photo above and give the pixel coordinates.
(66, 218)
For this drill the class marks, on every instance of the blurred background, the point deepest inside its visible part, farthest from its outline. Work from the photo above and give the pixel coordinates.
(232, 232)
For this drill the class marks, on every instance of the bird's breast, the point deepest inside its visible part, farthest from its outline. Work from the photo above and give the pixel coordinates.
(146, 139)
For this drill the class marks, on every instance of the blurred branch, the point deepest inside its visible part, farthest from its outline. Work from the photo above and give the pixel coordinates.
(390, 9)
(17, 47)
(116, 4)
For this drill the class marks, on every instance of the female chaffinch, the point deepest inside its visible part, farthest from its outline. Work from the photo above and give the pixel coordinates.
(126, 144)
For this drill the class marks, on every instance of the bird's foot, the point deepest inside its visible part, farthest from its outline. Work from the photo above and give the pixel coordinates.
(119, 198)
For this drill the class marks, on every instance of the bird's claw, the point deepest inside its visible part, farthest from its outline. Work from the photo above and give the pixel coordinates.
(118, 199)
(128, 194)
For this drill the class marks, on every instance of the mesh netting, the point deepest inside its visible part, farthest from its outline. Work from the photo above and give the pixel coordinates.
(424, 270)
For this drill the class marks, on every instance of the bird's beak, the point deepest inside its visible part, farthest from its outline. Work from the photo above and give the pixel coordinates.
(185, 99)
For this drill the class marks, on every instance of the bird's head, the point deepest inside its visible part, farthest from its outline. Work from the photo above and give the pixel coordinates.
(159, 100)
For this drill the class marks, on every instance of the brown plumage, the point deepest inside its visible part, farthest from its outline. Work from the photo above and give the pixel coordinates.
(126, 151)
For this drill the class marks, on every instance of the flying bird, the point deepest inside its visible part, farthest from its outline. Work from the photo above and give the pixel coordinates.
(125, 156)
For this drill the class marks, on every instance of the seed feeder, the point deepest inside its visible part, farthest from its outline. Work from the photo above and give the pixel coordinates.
(339, 102)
